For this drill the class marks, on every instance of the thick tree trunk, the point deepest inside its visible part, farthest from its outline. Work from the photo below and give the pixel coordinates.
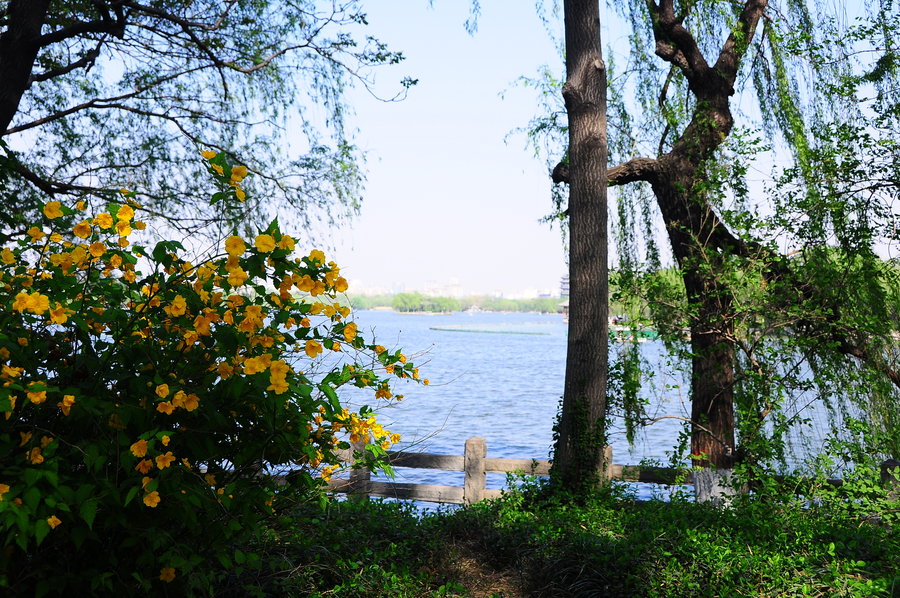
(579, 453)
(692, 226)
(712, 378)
(18, 50)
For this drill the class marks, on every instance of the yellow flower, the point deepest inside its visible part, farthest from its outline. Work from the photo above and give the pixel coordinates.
(219, 170)
(279, 368)
(151, 499)
(313, 348)
(238, 173)
(53, 521)
(426, 382)
(38, 303)
(340, 285)
(82, 229)
(20, 304)
(97, 249)
(26, 438)
(123, 228)
(178, 306)
(240, 194)
(166, 439)
(235, 246)
(35, 233)
(7, 256)
(327, 472)
(144, 466)
(166, 574)
(53, 209)
(317, 256)
(139, 225)
(80, 205)
(191, 402)
(209, 154)
(286, 242)
(237, 277)
(4, 488)
(264, 243)
(104, 220)
(255, 365)
(36, 396)
(35, 456)
(139, 448)
(125, 213)
(165, 407)
(279, 385)
(379, 349)
(66, 404)
(162, 391)
(210, 479)
(163, 461)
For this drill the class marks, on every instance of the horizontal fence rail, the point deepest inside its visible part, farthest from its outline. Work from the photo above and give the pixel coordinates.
(476, 464)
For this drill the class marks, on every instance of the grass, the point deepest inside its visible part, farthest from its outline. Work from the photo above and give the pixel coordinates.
(533, 544)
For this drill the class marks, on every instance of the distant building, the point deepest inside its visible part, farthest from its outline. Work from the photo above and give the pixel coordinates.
(564, 287)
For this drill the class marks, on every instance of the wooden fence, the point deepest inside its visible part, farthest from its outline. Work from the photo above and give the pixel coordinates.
(476, 464)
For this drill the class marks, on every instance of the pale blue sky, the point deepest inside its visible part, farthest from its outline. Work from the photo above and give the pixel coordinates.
(448, 197)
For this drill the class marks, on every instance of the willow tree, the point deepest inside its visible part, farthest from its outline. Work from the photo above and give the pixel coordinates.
(578, 460)
(748, 306)
(100, 94)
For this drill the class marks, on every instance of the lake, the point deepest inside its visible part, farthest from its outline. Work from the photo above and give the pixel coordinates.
(499, 376)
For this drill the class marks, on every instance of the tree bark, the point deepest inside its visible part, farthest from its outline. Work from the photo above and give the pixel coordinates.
(699, 238)
(579, 452)
(19, 46)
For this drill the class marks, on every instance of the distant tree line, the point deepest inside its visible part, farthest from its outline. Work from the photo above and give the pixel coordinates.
(417, 302)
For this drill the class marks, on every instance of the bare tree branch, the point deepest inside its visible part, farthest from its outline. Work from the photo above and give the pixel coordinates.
(85, 61)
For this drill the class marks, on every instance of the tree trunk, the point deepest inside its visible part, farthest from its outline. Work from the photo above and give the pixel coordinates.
(18, 51)
(579, 452)
(699, 252)
(712, 378)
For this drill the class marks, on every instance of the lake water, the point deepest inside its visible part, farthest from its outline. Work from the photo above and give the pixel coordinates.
(499, 376)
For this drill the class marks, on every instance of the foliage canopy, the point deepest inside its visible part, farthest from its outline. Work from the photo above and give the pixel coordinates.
(103, 94)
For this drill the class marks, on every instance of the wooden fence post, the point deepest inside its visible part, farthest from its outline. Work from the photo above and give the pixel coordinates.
(607, 463)
(475, 484)
(359, 478)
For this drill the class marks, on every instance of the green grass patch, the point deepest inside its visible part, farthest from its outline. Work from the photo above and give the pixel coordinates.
(532, 544)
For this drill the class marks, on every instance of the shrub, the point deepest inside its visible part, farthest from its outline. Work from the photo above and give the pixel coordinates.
(146, 402)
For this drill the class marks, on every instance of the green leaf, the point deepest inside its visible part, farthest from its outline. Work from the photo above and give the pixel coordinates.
(130, 496)
(41, 529)
(88, 511)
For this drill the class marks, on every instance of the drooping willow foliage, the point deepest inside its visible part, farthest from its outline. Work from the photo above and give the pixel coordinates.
(807, 187)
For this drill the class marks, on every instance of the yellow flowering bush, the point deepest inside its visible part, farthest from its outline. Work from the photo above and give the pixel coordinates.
(156, 413)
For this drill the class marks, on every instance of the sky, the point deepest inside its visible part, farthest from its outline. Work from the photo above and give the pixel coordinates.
(453, 203)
